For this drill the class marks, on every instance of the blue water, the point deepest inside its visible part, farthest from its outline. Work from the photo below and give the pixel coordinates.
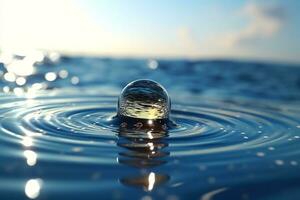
(237, 133)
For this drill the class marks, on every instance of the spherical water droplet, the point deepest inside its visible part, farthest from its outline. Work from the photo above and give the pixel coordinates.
(144, 99)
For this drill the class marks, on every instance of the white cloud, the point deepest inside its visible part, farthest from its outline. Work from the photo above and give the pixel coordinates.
(263, 22)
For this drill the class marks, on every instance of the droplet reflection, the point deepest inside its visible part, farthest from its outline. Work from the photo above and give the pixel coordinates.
(151, 181)
(148, 182)
(144, 152)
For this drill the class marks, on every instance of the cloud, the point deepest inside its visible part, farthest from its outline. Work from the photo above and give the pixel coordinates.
(263, 22)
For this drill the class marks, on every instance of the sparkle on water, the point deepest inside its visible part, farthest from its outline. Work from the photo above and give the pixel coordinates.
(237, 129)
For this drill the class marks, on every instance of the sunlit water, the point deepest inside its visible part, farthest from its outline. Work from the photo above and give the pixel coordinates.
(237, 133)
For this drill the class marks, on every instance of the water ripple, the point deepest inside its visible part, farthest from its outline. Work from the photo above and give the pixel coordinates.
(215, 137)
(86, 123)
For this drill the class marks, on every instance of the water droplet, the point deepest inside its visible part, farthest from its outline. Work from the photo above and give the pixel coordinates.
(144, 99)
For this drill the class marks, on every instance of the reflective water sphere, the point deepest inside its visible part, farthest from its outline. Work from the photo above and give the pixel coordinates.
(144, 105)
(144, 99)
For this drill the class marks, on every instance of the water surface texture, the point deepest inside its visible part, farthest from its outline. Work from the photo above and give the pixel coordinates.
(237, 133)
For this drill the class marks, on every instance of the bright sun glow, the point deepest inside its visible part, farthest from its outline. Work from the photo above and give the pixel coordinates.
(237, 29)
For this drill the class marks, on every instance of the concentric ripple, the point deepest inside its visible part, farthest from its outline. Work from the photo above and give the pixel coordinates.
(220, 128)
(215, 135)
(86, 122)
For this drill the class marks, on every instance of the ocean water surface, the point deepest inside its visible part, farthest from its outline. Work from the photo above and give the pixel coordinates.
(237, 133)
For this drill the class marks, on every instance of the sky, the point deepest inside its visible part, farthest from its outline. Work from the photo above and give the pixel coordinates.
(238, 29)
